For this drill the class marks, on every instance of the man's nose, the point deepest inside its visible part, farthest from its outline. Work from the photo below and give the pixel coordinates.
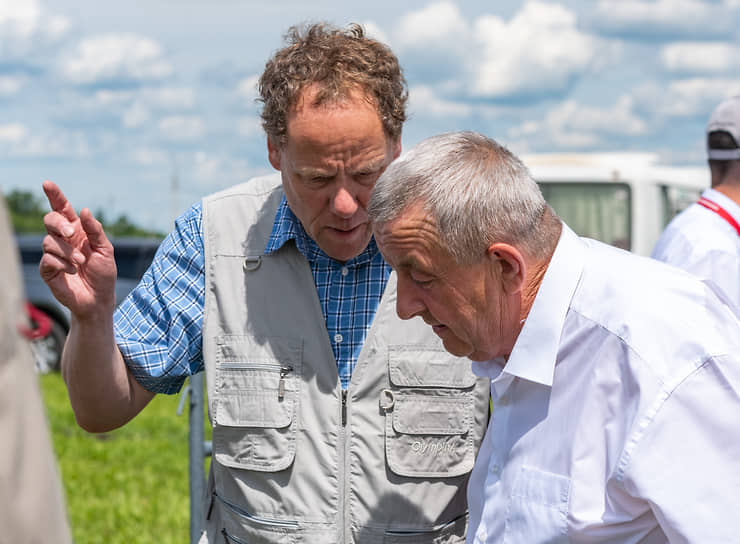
(344, 203)
(407, 304)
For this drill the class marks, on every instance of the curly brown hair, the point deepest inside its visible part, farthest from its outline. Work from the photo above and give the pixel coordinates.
(339, 61)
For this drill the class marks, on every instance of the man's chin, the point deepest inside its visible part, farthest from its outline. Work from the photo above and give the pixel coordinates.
(457, 349)
(343, 247)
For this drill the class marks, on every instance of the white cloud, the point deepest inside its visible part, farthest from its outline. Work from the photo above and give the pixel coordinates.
(116, 57)
(654, 11)
(106, 98)
(433, 42)
(148, 157)
(575, 125)
(685, 98)
(26, 27)
(13, 133)
(136, 116)
(20, 142)
(182, 127)
(423, 102)
(438, 24)
(169, 98)
(619, 119)
(665, 17)
(539, 51)
(700, 57)
(211, 169)
(10, 85)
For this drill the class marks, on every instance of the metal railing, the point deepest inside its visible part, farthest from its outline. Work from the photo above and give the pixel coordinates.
(198, 450)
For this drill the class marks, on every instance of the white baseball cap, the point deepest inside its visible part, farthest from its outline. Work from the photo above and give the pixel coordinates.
(725, 117)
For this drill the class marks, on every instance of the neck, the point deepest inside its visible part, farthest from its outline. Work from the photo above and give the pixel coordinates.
(730, 190)
(535, 275)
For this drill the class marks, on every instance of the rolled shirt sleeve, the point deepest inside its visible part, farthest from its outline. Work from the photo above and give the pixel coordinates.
(158, 327)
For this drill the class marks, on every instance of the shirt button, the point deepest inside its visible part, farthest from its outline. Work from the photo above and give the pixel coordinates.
(338, 338)
(345, 271)
(503, 400)
(495, 469)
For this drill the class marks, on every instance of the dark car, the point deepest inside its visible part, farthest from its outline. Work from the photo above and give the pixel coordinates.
(133, 256)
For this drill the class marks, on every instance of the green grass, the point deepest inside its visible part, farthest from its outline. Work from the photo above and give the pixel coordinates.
(126, 486)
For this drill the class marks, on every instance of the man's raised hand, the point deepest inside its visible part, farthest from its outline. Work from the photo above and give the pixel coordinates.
(77, 263)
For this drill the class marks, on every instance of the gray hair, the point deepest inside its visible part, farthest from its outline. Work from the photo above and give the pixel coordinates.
(476, 191)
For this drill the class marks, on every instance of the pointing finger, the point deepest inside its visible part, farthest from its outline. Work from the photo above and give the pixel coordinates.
(58, 201)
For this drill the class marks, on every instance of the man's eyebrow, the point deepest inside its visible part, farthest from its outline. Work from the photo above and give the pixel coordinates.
(408, 262)
(372, 165)
(313, 171)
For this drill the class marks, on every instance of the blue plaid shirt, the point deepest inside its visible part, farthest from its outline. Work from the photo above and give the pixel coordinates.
(159, 325)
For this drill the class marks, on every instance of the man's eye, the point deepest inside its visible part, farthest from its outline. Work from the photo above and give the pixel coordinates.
(366, 177)
(422, 281)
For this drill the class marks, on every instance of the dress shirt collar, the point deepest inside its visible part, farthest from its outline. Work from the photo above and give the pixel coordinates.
(724, 201)
(535, 350)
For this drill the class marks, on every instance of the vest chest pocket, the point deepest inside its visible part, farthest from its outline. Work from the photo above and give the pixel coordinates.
(429, 414)
(256, 405)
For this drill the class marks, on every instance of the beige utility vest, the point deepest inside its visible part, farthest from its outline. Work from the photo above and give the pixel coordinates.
(295, 457)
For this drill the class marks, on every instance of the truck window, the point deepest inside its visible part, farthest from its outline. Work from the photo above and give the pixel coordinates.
(596, 210)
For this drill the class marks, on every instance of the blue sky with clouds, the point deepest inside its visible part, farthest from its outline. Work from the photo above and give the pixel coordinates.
(111, 99)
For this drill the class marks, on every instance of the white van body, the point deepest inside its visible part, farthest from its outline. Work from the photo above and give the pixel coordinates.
(623, 199)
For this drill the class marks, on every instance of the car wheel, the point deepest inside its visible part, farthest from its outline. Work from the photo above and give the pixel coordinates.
(47, 351)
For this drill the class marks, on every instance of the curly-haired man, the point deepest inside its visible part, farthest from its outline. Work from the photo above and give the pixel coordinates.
(333, 420)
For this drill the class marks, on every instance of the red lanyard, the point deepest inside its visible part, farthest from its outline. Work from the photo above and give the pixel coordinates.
(719, 210)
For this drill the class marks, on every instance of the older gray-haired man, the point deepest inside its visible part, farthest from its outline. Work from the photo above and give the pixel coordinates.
(615, 378)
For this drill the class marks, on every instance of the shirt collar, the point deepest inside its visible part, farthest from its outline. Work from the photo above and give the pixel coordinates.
(288, 227)
(536, 348)
(729, 205)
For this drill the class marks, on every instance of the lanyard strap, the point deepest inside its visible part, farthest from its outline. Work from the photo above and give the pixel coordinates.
(719, 210)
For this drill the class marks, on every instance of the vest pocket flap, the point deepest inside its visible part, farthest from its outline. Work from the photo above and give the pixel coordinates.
(424, 367)
(255, 409)
(422, 414)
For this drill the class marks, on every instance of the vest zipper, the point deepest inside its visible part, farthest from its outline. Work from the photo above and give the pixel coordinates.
(343, 510)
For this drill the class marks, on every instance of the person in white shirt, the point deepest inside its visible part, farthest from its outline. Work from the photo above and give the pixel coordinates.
(615, 379)
(704, 239)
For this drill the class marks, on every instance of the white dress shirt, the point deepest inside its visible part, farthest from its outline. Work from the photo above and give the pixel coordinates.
(617, 415)
(703, 243)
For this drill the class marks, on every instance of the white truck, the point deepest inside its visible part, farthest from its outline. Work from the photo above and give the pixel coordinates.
(623, 199)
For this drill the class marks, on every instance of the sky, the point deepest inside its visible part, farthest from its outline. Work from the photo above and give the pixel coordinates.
(143, 108)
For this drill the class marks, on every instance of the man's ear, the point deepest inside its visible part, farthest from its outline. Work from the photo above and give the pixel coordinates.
(510, 264)
(273, 153)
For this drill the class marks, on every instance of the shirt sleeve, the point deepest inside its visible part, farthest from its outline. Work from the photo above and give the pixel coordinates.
(158, 326)
(704, 259)
(687, 462)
